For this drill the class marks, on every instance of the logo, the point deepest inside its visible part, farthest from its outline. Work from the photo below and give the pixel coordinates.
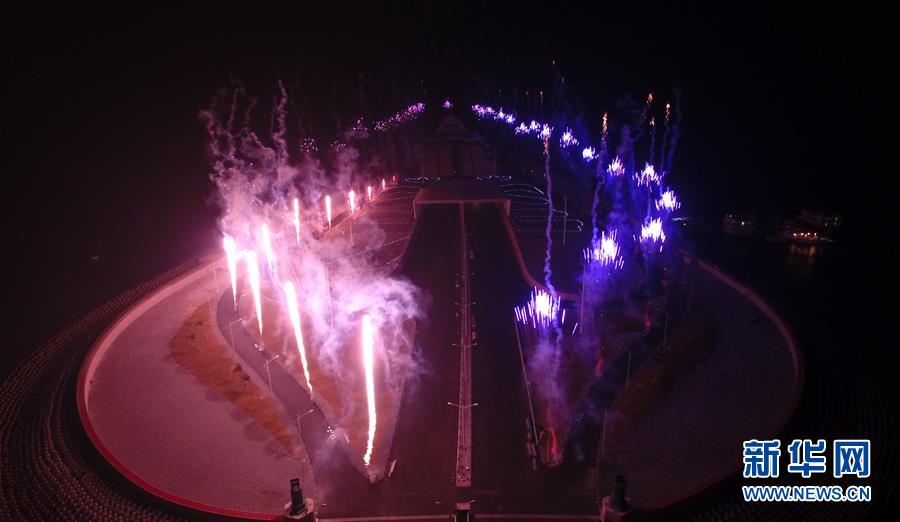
(849, 457)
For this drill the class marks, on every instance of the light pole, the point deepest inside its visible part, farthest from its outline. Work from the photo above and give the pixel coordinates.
(603, 434)
(269, 373)
(330, 298)
(628, 368)
(300, 416)
(583, 276)
(666, 331)
(231, 333)
(462, 406)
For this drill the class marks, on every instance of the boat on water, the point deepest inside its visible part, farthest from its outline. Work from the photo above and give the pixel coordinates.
(739, 225)
(808, 228)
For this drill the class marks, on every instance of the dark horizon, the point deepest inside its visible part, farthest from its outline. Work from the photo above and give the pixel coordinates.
(110, 148)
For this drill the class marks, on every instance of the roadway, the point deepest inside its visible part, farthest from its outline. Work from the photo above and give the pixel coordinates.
(503, 481)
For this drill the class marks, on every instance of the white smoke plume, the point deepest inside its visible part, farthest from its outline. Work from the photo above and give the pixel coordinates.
(336, 282)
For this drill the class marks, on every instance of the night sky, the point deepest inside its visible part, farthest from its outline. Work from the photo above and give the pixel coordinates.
(108, 155)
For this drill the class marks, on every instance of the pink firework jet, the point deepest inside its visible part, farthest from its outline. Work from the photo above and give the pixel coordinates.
(231, 253)
(368, 357)
(351, 197)
(328, 209)
(447, 105)
(290, 295)
(254, 280)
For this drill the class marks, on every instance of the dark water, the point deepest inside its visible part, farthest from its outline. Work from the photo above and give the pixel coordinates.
(65, 269)
(812, 287)
(826, 297)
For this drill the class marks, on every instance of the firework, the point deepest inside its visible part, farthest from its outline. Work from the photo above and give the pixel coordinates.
(567, 139)
(309, 146)
(359, 127)
(647, 177)
(668, 201)
(310, 292)
(290, 296)
(540, 310)
(351, 197)
(652, 232)
(589, 154)
(447, 105)
(546, 130)
(482, 111)
(368, 355)
(605, 252)
(616, 168)
(409, 114)
(231, 253)
(253, 279)
(488, 112)
(328, 209)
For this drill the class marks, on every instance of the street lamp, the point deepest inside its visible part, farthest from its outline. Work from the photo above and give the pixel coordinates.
(231, 333)
(268, 373)
(300, 416)
(463, 406)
